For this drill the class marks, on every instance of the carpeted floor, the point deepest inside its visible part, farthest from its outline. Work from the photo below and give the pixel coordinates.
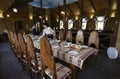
(104, 68)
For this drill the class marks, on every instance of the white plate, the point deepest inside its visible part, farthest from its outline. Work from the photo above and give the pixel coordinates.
(84, 46)
(55, 46)
(73, 52)
(66, 46)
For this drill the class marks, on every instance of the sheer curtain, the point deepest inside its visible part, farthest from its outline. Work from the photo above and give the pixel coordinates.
(100, 22)
(84, 23)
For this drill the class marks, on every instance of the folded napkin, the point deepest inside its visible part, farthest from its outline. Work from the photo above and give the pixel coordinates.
(73, 52)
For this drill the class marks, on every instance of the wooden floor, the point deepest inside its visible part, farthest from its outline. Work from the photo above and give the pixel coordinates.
(104, 68)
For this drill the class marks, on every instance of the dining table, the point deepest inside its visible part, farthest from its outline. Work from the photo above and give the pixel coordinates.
(71, 53)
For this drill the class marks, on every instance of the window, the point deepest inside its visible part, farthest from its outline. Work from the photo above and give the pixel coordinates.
(61, 24)
(70, 24)
(100, 21)
(84, 23)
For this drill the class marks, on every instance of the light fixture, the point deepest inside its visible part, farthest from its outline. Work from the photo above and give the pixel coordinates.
(62, 12)
(30, 17)
(40, 17)
(91, 16)
(15, 10)
(114, 5)
(46, 18)
(8, 15)
(57, 20)
(112, 14)
(1, 14)
(76, 17)
(43, 21)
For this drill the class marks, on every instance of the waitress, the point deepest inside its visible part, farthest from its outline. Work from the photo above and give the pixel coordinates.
(48, 31)
(34, 29)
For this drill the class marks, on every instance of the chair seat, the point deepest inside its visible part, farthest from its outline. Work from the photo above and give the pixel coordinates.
(61, 70)
(33, 65)
(24, 58)
(17, 52)
(38, 54)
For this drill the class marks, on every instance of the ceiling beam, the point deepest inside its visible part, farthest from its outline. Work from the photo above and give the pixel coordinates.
(67, 6)
(78, 5)
(80, 9)
(20, 3)
(41, 3)
(92, 3)
(71, 12)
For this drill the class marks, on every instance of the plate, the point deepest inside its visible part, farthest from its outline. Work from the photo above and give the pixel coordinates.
(66, 46)
(84, 46)
(73, 52)
(55, 46)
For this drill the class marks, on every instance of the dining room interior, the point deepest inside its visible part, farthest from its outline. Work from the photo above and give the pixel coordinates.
(59, 39)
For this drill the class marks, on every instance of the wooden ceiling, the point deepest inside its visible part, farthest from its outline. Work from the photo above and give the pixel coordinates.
(8, 4)
(5, 4)
(88, 7)
(78, 8)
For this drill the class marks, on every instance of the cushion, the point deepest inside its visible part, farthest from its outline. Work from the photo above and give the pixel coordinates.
(62, 71)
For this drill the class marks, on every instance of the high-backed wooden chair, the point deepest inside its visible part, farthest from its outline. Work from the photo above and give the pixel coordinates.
(69, 36)
(54, 71)
(17, 48)
(54, 34)
(23, 50)
(12, 42)
(80, 37)
(34, 59)
(9, 37)
(93, 39)
(61, 35)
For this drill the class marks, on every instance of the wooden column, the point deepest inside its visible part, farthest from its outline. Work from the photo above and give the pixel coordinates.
(30, 10)
(114, 35)
(81, 14)
(65, 17)
(48, 17)
(59, 17)
(118, 39)
(41, 20)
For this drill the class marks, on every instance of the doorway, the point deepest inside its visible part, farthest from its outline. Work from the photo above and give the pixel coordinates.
(18, 26)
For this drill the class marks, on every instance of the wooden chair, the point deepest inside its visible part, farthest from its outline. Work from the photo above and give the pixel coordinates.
(61, 35)
(54, 34)
(69, 36)
(34, 59)
(17, 48)
(11, 36)
(54, 71)
(23, 50)
(80, 37)
(93, 39)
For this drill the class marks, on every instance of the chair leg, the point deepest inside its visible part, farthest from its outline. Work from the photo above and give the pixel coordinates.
(29, 69)
(43, 77)
(37, 75)
(24, 65)
(74, 71)
(69, 77)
